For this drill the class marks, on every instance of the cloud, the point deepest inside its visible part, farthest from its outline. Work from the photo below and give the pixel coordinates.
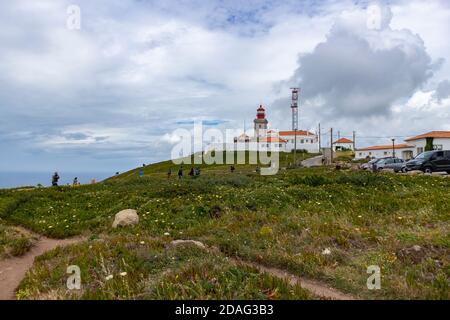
(360, 72)
(442, 90)
(109, 95)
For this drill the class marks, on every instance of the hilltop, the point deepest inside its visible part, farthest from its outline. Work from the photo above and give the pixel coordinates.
(317, 224)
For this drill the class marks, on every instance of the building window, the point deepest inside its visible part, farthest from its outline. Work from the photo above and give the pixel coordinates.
(302, 141)
(419, 150)
(385, 153)
(438, 147)
(360, 154)
(370, 153)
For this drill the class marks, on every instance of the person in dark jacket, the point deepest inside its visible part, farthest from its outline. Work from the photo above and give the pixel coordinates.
(55, 179)
(180, 173)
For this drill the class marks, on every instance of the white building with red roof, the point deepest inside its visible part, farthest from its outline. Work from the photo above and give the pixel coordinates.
(343, 144)
(437, 140)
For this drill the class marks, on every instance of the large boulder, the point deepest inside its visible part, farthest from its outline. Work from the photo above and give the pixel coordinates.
(125, 218)
(193, 242)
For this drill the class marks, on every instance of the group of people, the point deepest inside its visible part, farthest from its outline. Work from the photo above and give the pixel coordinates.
(193, 172)
(55, 179)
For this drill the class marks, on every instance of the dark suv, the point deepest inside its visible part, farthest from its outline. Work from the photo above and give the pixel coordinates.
(430, 161)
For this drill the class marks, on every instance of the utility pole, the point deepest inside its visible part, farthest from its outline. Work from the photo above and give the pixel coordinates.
(339, 135)
(354, 143)
(295, 147)
(393, 148)
(331, 144)
(294, 108)
(320, 139)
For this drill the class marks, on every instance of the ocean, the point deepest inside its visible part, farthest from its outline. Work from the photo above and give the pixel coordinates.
(21, 179)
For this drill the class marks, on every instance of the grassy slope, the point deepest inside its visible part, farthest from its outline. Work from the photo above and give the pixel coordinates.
(149, 270)
(285, 220)
(12, 242)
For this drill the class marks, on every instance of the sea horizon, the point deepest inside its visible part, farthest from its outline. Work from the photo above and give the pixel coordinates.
(17, 179)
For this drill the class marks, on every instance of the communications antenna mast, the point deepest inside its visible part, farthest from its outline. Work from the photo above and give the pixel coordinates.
(294, 107)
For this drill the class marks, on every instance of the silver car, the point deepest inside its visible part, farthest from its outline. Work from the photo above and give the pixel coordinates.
(391, 163)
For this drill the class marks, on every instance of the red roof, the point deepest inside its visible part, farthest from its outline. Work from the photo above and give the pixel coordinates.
(387, 147)
(273, 139)
(344, 140)
(432, 134)
(299, 133)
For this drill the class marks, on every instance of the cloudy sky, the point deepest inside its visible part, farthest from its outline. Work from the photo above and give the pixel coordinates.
(108, 96)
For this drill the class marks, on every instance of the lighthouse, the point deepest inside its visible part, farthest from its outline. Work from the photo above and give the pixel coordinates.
(260, 123)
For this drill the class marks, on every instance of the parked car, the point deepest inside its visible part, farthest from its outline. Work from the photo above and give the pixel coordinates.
(382, 163)
(369, 165)
(430, 161)
(394, 163)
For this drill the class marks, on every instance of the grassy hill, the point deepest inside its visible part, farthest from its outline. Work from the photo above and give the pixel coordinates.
(197, 161)
(320, 223)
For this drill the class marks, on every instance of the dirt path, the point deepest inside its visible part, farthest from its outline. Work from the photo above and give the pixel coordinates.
(13, 270)
(318, 288)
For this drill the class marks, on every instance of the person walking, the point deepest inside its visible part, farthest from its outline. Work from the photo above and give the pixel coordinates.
(169, 173)
(55, 179)
(75, 182)
(191, 172)
(140, 173)
(180, 173)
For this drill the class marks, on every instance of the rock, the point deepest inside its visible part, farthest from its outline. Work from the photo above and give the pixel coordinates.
(125, 218)
(439, 173)
(181, 242)
(215, 212)
(415, 173)
(414, 254)
(388, 170)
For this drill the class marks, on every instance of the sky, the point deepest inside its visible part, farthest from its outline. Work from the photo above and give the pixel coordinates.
(108, 96)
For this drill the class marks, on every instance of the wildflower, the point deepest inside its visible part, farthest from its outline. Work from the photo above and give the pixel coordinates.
(326, 252)
(109, 277)
(123, 274)
(142, 242)
(166, 234)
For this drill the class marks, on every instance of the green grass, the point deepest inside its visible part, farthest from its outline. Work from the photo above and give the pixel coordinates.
(347, 155)
(283, 221)
(12, 242)
(149, 270)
